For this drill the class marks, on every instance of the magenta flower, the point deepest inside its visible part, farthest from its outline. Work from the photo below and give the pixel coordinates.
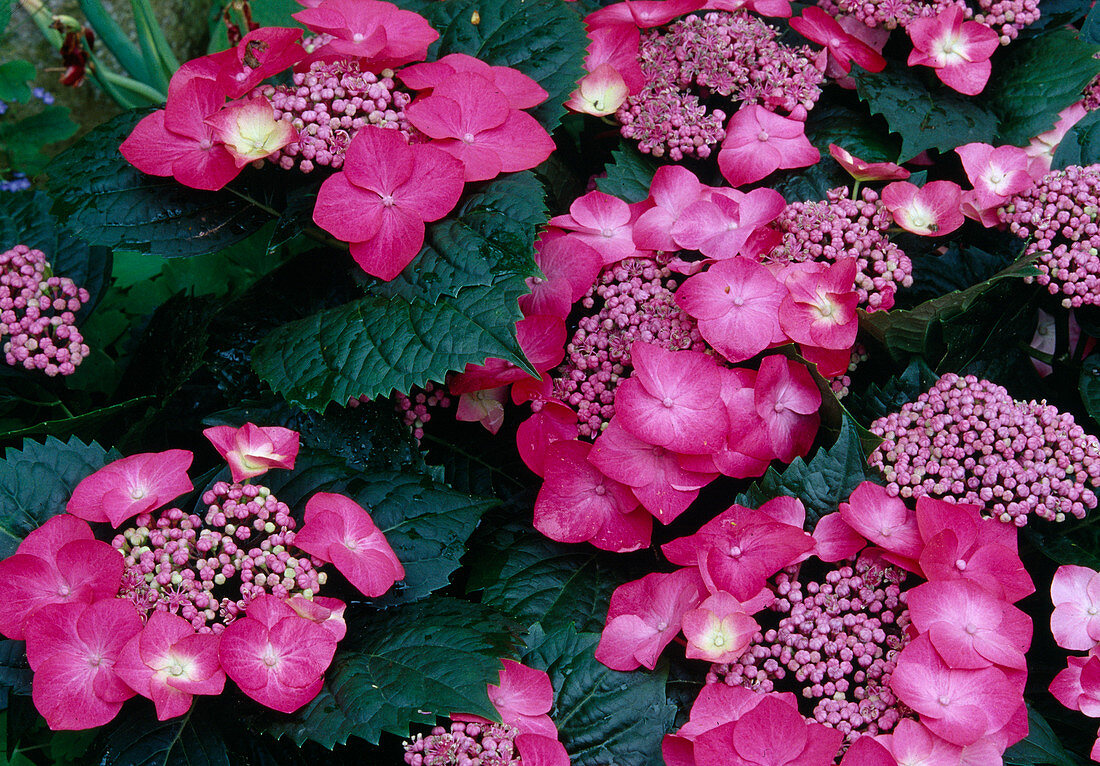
(670, 399)
(719, 629)
(814, 24)
(885, 521)
(382, 197)
(260, 54)
(602, 222)
(168, 662)
(787, 399)
(523, 697)
(252, 450)
(1078, 686)
(958, 50)
(641, 13)
(655, 475)
(177, 141)
(1041, 148)
(577, 503)
(468, 117)
(58, 563)
(617, 46)
(771, 733)
(275, 656)
(996, 174)
(867, 171)
(759, 142)
(960, 705)
(736, 302)
(554, 422)
(339, 531)
(136, 484)
(834, 540)
(719, 227)
(569, 269)
(537, 750)
(645, 615)
(1075, 622)
(377, 31)
(673, 189)
(820, 307)
(932, 210)
(326, 612)
(521, 91)
(911, 742)
(72, 649)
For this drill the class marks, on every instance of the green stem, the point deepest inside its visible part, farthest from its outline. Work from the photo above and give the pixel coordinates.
(855, 189)
(157, 76)
(114, 38)
(140, 89)
(42, 18)
(164, 50)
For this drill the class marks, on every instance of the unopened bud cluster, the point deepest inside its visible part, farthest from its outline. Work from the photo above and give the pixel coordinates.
(465, 744)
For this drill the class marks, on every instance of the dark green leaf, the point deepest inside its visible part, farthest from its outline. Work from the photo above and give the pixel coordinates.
(924, 117)
(489, 237)
(63, 427)
(37, 481)
(544, 39)
(603, 716)
(1041, 746)
(1081, 145)
(1037, 79)
(1089, 386)
(812, 184)
(15, 673)
(106, 201)
(823, 483)
(1090, 30)
(629, 174)
(136, 738)
(864, 136)
(534, 579)
(15, 76)
(963, 265)
(406, 665)
(378, 345)
(1071, 542)
(880, 400)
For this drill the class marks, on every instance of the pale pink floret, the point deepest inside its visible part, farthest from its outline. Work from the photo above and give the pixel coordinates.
(485, 406)
(377, 31)
(1075, 593)
(670, 400)
(468, 117)
(862, 170)
(814, 24)
(249, 130)
(957, 49)
(641, 13)
(787, 399)
(604, 223)
(577, 503)
(819, 309)
(962, 706)
(673, 189)
(600, 92)
(1078, 685)
(759, 142)
(136, 484)
(617, 46)
(772, 732)
(719, 629)
(168, 662)
(521, 91)
(721, 226)
(736, 303)
(968, 626)
(339, 531)
(645, 615)
(276, 656)
(996, 174)
(382, 197)
(932, 210)
(1041, 148)
(912, 742)
(72, 649)
(252, 450)
(58, 563)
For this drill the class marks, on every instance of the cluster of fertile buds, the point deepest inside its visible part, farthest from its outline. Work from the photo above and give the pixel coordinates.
(327, 106)
(465, 744)
(1058, 217)
(967, 440)
(870, 648)
(1005, 17)
(1075, 592)
(37, 314)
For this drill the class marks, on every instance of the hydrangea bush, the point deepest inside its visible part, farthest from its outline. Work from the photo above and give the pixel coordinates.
(499, 383)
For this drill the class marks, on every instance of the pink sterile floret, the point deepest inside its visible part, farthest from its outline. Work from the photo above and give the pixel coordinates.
(722, 226)
(719, 629)
(641, 13)
(577, 503)
(260, 54)
(1078, 685)
(275, 656)
(339, 531)
(369, 29)
(552, 422)
(912, 742)
(862, 170)
(602, 222)
(537, 750)
(759, 142)
(670, 400)
(136, 484)
(819, 310)
(788, 400)
(814, 24)
(885, 521)
(645, 615)
(469, 117)
(958, 50)
(1075, 593)
(569, 269)
(72, 649)
(250, 130)
(521, 91)
(600, 92)
(177, 141)
(932, 210)
(326, 612)
(168, 662)
(673, 189)
(996, 173)
(383, 196)
(60, 562)
(251, 450)
(960, 705)
(736, 302)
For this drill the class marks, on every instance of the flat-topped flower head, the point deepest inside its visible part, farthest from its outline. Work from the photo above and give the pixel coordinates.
(276, 656)
(932, 210)
(168, 662)
(338, 530)
(132, 485)
(249, 130)
(861, 170)
(957, 49)
(252, 450)
(386, 191)
(759, 142)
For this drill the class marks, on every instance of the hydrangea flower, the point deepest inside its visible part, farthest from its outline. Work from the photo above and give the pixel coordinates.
(958, 50)
(252, 450)
(131, 486)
